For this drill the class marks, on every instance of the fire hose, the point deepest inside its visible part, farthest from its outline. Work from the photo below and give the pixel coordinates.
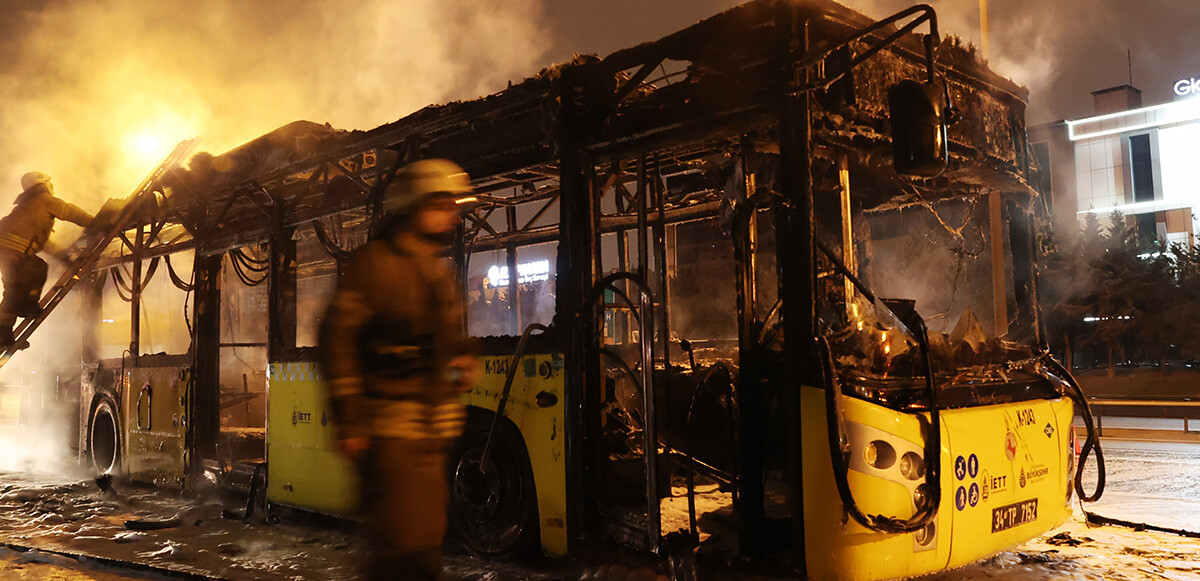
(1093, 439)
(839, 451)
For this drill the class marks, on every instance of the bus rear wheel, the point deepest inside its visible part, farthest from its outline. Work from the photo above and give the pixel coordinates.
(493, 505)
(104, 437)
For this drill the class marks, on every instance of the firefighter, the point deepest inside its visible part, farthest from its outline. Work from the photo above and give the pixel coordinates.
(23, 233)
(396, 359)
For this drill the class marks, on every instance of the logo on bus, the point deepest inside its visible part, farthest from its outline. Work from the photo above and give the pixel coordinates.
(299, 417)
(1035, 473)
(1010, 446)
(993, 484)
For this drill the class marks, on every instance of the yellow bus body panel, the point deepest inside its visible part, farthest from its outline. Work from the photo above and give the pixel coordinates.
(541, 428)
(837, 547)
(154, 424)
(304, 467)
(305, 470)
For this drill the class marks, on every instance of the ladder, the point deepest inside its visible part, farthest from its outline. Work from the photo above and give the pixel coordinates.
(96, 237)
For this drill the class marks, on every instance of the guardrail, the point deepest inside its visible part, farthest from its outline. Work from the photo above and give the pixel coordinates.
(1185, 410)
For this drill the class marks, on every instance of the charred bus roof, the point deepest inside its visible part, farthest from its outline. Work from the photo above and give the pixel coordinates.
(688, 97)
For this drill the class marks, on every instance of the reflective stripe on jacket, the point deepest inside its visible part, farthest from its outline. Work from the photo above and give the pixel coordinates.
(27, 228)
(414, 420)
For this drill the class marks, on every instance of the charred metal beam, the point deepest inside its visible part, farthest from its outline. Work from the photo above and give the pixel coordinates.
(797, 277)
(483, 223)
(630, 85)
(514, 295)
(576, 257)
(204, 396)
(660, 241)
(135, 293)
(745, 248)
(281, 290)
(150, 252)
(541, 211)
(354, 177)
(608, 224)
(337, 252)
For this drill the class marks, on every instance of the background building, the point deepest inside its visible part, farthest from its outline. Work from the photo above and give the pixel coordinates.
(1141, 161)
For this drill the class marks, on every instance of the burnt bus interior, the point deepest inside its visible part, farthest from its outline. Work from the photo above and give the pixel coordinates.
(688, 217)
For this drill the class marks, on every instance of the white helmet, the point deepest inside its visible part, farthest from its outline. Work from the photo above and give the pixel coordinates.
(419, 180)
(34, 178)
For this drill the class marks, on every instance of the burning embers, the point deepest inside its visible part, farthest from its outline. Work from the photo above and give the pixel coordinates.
(875, 353)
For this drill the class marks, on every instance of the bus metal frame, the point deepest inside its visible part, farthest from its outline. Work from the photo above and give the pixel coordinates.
(571, 136)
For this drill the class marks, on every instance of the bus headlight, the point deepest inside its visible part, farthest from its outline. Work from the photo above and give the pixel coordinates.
(912, 466)
(926, 534)
(921, 497)
(879, 455)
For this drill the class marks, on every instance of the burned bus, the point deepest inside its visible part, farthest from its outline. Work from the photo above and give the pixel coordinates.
(765, 287)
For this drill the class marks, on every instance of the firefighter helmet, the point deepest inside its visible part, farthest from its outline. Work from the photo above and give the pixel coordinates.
(419, 180)
(34, 178)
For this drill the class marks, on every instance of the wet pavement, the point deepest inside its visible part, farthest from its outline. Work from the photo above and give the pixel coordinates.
(39, 566)
(166, 530)
(67, 526)
(130, 531)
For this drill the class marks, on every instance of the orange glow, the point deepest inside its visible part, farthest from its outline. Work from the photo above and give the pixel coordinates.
(146, 146)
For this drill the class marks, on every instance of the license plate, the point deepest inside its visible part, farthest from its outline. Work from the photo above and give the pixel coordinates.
(1011, 515)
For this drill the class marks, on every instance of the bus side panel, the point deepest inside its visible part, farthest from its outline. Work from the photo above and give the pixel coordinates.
(155, 424)
(836, 546)
(304, 467)
(541, 428)
(1008, 469)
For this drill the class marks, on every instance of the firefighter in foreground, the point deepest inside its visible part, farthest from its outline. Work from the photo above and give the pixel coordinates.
(396, 359)
(23, 233)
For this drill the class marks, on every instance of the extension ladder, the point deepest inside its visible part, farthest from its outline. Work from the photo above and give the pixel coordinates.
(91, 245)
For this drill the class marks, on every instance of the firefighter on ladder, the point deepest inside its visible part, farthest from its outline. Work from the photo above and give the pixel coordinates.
(396, 358)
(23, 233)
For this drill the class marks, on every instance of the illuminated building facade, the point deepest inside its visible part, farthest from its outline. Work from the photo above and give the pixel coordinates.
(1141, 161)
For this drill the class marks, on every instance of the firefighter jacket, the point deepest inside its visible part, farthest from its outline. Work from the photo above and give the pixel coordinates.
(395, 322)
(27, 228)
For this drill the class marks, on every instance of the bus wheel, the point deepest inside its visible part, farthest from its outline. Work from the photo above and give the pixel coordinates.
(104, 437)
(493, 508)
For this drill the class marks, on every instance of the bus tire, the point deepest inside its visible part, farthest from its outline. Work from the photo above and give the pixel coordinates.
(493, 513)
(104, 437)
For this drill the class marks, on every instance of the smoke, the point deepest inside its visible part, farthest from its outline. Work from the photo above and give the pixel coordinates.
(37, 401)
(1062, 50)
(96, 92)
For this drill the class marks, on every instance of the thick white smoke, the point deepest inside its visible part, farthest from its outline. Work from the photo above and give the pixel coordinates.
(96, 92)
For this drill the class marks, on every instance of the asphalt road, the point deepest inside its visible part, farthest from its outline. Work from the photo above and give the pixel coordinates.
(1152, 480)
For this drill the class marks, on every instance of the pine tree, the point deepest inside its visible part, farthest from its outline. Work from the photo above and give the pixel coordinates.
(1061, 286)
(1116, 273)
